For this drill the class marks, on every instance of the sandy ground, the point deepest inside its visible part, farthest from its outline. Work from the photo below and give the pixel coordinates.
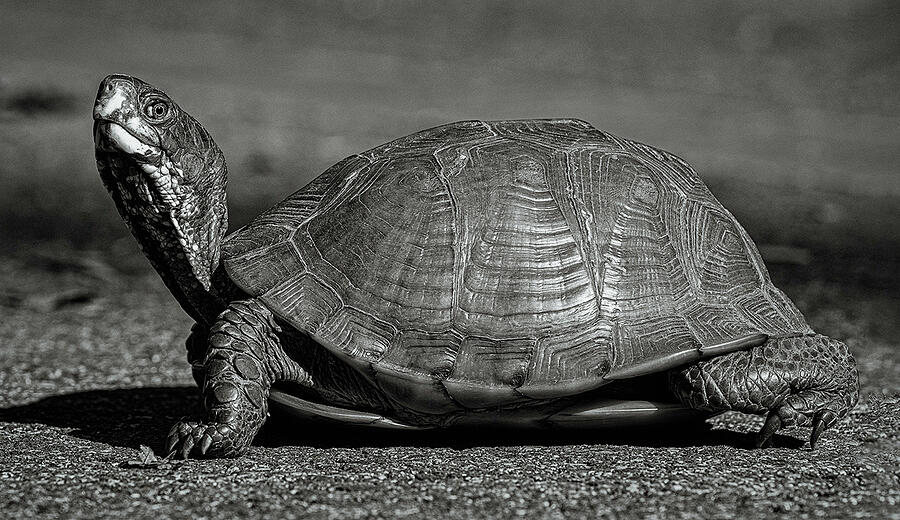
(92, 367)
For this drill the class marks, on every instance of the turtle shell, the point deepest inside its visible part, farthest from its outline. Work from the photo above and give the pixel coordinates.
(484, 264)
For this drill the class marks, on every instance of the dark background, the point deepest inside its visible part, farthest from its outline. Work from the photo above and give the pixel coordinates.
(789, 110)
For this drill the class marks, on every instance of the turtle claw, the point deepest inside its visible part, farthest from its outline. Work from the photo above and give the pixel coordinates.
(170, 445)
(772, 425)
(205, 443)
(186, 447)
(821, 421)
(174, 437)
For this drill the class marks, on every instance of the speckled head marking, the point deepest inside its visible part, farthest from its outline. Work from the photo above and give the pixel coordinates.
(167, 177)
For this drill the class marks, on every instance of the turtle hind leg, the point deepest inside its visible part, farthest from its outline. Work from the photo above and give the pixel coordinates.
(795, 380)
(243, 359)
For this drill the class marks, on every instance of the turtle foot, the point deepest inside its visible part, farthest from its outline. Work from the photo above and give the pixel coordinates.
(804, 380)
(199, 439)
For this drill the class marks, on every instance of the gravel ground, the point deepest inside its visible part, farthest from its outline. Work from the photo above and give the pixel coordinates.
(93, 367)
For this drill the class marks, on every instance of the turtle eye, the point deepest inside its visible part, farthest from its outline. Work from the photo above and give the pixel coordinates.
(156, 110)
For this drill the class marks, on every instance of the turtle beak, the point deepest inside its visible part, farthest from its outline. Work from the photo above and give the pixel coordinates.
(110, 136)
(116, 99)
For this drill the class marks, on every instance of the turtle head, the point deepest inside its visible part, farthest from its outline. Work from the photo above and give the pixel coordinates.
(166, 175)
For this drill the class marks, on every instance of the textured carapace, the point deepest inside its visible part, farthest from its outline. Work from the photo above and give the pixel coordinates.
(482, 264)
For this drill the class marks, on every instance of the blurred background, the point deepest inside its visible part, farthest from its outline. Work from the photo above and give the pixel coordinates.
(789, 110)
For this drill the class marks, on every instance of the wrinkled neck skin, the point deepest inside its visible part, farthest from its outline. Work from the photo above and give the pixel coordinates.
(178, 219)
(167, 178)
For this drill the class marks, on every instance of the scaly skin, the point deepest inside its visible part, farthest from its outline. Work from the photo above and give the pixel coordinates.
(242, 361)
(796, 380)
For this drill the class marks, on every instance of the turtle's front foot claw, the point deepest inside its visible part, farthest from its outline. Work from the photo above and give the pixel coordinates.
(202, 440)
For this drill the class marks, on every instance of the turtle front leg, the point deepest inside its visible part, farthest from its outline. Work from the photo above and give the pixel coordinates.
(242, 360)
(796, 380)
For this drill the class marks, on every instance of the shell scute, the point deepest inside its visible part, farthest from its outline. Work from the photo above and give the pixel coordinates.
(390, 248)
(358, 334)
(493, 363)
(651, 336)
(305, 300)
(520, 266)
(578, 354)
(432, 353)
(268, 266)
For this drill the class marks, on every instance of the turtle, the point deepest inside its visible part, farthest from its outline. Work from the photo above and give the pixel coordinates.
(517, 273)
